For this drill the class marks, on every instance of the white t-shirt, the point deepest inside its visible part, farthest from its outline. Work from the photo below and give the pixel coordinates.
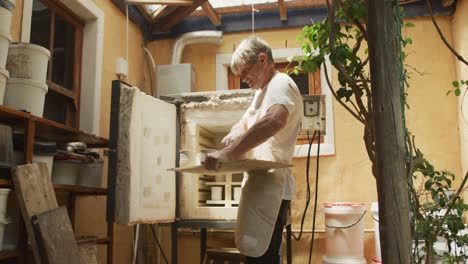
(280, 147)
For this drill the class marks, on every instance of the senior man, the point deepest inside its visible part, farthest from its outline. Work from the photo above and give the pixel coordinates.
(268, 129)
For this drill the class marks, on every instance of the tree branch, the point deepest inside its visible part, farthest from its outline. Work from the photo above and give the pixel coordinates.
(459, 57)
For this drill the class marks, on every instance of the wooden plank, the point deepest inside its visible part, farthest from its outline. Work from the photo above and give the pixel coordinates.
(282, 10)
(178, 15)
(55, 237)
(160, 2)
(89, 254)
(35, 195)
(234, 166)
(211, 13)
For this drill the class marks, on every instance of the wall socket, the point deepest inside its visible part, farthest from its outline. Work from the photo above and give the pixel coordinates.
(314, 114)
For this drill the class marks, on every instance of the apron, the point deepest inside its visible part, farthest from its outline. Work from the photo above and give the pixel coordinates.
(260, 200)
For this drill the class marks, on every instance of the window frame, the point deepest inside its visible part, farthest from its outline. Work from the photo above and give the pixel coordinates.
(92, 60)
(71, 96)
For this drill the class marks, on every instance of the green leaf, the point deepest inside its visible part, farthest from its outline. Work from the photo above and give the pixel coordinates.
(409, 41)
(462, 82)
(409, 25)
(448, 92)
(457, 92)
(455, 84)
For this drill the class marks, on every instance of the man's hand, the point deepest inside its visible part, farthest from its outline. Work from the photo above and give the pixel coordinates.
(213, 160)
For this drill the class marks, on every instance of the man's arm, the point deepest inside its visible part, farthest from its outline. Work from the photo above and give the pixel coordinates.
(274, 120)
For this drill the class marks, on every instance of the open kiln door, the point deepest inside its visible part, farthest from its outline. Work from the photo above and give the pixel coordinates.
(146, 148)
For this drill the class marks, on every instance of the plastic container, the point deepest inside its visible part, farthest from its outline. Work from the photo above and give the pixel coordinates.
(91, 174)
(27, 95)
(28, 61)
(4, 76)
(375, 217)
(331, 260)
(5, 40)
(237, 193)
(3, 223)
(344, 229)
(66, 172)
(43, 151)
(5, 19)
(216, 193)
(3, 203)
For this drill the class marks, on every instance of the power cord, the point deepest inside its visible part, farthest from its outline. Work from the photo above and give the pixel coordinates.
(159, 245)
(316, 196)
(308, 185)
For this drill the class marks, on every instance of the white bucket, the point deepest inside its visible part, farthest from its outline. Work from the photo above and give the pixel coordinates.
(216, 193)
(3, 222)
(65, 172)
(24, 94)
(28, 61)
(237, 193)
(5, 20)
(5, 40)
(3, 202)
(4, 76)
(344, 228)
(375, 217)
(331, 260)
(18, 159)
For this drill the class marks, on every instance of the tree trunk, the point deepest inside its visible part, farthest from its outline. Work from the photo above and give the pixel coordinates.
(392, 188)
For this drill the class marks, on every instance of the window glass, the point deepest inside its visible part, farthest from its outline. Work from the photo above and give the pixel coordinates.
(64, 52)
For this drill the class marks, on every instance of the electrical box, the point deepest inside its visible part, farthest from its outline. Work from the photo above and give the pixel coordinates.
(314, 114)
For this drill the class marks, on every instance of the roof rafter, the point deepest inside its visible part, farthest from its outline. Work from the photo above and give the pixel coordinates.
(160, 2)
(211, 13)
(178, 15)
(282, 10)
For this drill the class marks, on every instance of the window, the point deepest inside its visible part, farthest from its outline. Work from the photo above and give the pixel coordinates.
(61, 32)
(308, 84)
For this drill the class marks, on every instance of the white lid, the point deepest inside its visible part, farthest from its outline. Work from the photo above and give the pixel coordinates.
(5, 35)
(21, 45)
(28, 82)
(5, 190)
(375, 207)
(332, 260)
(4, 72)
(344, 208)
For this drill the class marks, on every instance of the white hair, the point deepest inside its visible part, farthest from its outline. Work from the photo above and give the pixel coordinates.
(247, 53)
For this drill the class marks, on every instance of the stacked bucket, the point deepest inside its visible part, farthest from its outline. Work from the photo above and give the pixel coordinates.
(344, 230)
(23, 68)
(6, 7)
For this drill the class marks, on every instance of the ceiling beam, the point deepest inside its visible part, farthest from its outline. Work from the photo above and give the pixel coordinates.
(178, 15)
(211, 13)
(282, 10)
(160, 2)
(263, 7)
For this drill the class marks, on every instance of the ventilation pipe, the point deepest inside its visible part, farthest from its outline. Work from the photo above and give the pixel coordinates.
(205, 36)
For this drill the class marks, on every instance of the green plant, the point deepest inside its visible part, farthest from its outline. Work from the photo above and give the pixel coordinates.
(341, 37)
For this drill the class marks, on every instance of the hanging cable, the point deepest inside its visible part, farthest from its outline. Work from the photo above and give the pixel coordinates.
(159, 245)
(311, 141)
(316, 197)
(253, 17)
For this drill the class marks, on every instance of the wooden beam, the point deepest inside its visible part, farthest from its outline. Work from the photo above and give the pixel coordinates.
(264, 7)
(211, 13)
(160, 2)
(178, 15)
(282, 10)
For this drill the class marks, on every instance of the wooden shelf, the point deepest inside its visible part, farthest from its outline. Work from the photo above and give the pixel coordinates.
(63, 187)
(50, 130)
(91, 240)
(223, 183)
(9, 254)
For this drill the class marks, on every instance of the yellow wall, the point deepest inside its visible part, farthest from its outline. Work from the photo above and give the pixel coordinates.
(460, 42)
(346, 176)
